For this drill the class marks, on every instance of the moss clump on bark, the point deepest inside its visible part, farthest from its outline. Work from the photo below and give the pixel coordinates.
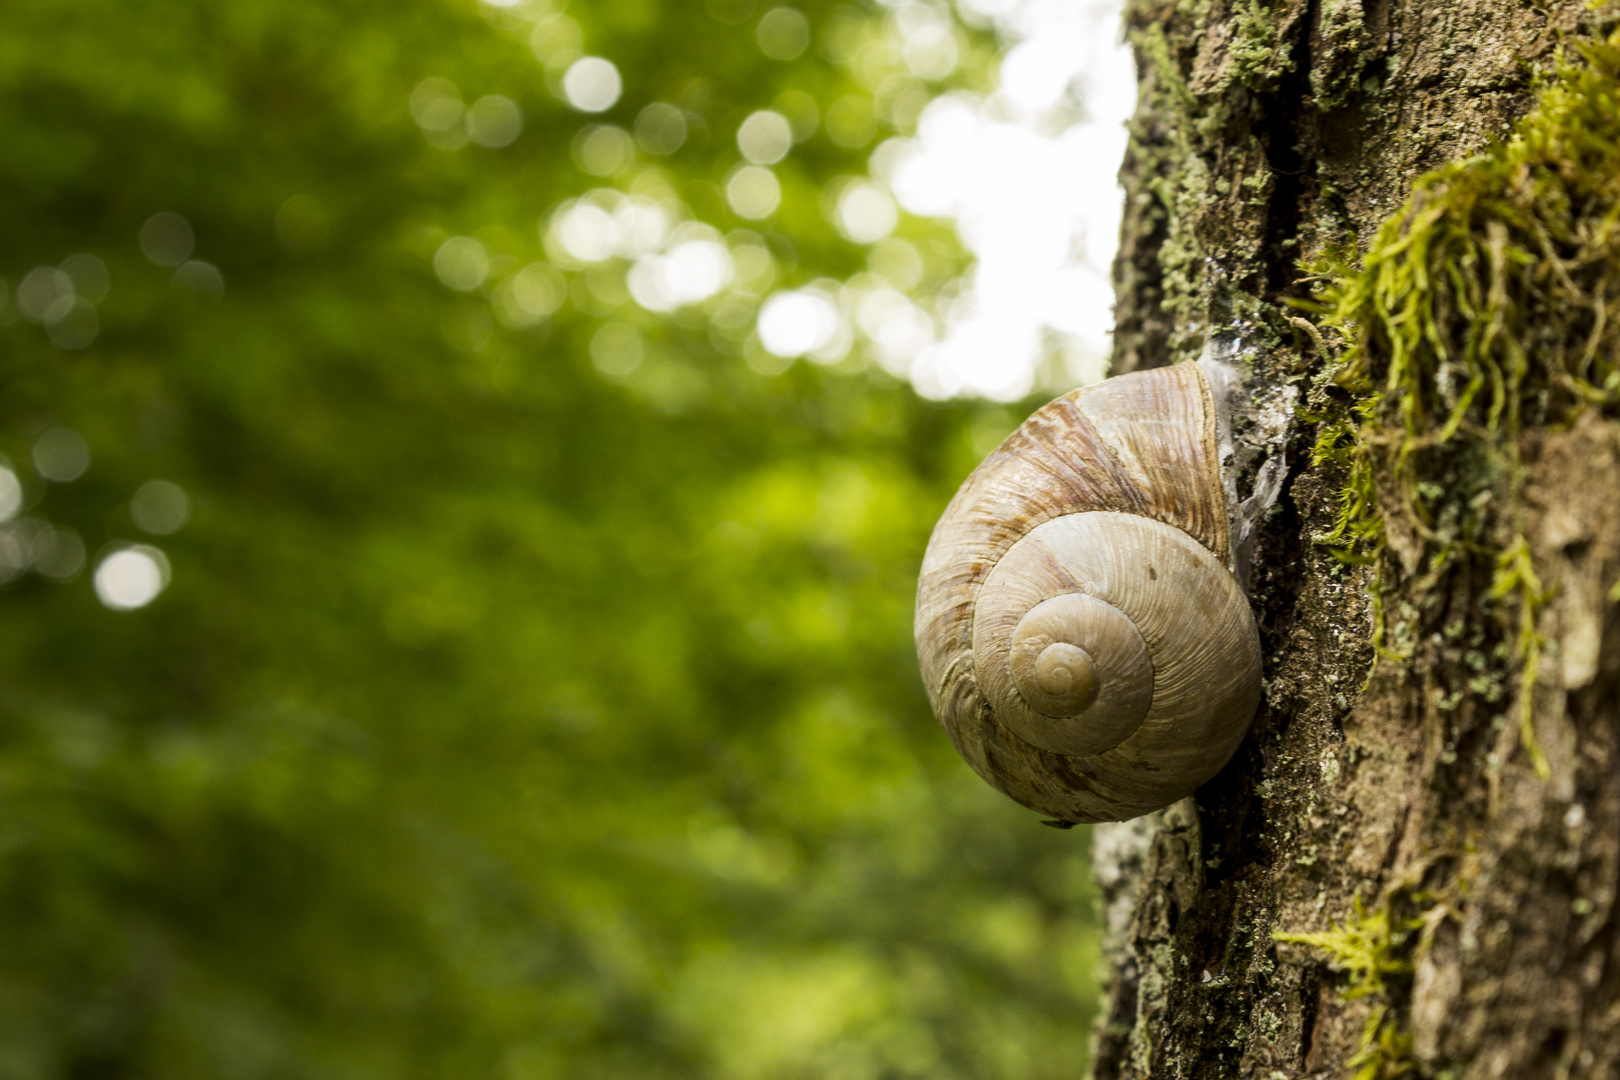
(1489, 305)
(1372, 949)
(1256, 58)
(1343, 28)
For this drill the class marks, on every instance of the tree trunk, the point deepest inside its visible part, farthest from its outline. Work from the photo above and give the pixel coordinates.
(1410, 867)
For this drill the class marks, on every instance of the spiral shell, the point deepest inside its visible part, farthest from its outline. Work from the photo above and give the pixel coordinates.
(1080, 635)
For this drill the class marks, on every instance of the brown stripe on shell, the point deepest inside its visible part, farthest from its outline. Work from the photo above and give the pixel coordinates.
(1198, 631)
(1140, 444)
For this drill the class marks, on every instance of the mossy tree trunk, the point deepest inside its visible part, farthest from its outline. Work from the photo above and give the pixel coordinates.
(1410, 868)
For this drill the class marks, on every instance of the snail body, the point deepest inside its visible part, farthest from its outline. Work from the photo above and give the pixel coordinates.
(1081, 637)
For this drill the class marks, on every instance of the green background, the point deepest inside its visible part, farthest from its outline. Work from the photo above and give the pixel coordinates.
(502, 718)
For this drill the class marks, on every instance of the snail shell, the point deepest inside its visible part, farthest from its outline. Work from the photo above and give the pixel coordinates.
(1080, 635)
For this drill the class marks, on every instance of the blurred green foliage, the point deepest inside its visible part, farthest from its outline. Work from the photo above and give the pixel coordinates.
(503, 717)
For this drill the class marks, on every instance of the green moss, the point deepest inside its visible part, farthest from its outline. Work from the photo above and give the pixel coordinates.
(1489, 304)
(1186, 126)
(1366, 947)
(1370, 948)
(1178, 177)
(1255, 58)
(1516, 577)
(1336, 73)
(1385, 1052)
(1156, 47)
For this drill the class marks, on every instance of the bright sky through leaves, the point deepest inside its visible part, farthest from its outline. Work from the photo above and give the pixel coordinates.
(1028, 176)
(1038, 207)
(1025, 172)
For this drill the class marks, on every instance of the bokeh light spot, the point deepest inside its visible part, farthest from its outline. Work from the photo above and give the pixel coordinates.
(765, 137)
(166, 238)
(643, 226)
(585, 232)
(801, 112)
(603, 150)
(89, 276)
(930, 49)
(556, 41)
(617, 349)
(61, 455)
(11, 494)
(783, 33)
(753, 192)
(866, 213)
(461, 263)
(795, 323)
(14, 553)
(897, 328)
(897, 262)
(694, 269)
(72, 325)
(494, 121)
(42, 290)
(753, 266)
(661, 128)
(57, 553)
(702, 268)
(51, 551)
(159, 507)
(592, 84)
(531, 294)
(436, 104)
(131, 577)
(202, 278)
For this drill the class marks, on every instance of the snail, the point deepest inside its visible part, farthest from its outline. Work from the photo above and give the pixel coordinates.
(1081, 634)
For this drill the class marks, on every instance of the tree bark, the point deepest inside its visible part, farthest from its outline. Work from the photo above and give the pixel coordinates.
(1387, 880)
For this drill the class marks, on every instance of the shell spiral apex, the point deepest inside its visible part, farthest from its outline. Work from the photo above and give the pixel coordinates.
(1080, 635)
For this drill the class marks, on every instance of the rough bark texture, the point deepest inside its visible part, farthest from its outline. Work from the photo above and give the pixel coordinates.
(1398, 816)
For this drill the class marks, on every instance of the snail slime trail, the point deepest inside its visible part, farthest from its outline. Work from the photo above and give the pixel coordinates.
(1081, 635)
